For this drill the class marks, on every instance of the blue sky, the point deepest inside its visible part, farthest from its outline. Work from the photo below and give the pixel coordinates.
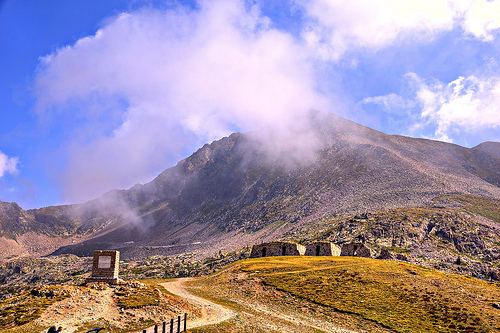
(97, 95)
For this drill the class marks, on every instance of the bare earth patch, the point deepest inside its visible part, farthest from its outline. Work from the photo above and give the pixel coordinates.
(84, 305)
(113, 307)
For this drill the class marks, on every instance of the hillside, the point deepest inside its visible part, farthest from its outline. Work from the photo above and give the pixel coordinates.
(273, 294)
(358, 294)
(492, 148)
(259, 186)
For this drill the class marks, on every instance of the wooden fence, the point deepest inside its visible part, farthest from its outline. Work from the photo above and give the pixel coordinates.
(174, 326)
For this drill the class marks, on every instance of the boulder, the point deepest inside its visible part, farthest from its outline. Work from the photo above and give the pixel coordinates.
(385, 254)
(401, 257)
(494, 275)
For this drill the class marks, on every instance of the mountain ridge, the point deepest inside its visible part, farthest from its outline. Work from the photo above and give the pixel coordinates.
(245, 183)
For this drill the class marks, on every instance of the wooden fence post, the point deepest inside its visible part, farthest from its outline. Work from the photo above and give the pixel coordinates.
(164, 328)
(185, 321)
(172, 325)
(178, 324)
(156, 328)
(143, 331)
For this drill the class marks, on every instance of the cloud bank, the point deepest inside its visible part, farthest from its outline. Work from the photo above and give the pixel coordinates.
(336, 27)
(172, 80)
(152, 85)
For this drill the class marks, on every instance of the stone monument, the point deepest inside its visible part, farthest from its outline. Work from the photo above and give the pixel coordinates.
(105, 267)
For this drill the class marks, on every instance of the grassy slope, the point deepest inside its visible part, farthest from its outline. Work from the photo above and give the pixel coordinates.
(486, 207)
(355, 293)
(400, 296)
(262, 308)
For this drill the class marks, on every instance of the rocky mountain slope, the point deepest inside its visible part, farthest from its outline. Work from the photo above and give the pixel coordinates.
(490, 147)
(255, 186)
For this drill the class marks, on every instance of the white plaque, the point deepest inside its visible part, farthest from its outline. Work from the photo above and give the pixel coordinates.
(104, 262)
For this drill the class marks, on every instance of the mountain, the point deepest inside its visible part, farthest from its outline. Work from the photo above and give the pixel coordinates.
(258, 186)
(492, 148)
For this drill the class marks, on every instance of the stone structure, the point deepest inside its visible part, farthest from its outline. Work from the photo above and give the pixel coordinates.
(277, 248)
(105, 267)
(322, 249)
(356, 250)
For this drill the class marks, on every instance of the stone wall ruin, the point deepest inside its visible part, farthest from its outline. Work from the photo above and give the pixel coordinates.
(277, 248)
(356, 250)
(322, 249)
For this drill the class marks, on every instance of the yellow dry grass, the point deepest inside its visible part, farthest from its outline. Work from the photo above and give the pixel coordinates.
(400, 296)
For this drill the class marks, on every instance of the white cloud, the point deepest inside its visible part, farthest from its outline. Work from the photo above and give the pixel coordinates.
(469, 103)
(335, 27)
(187, 76)
(8, 164)
(466, 104)
(340, 26)
(482, 19)
(390, 103)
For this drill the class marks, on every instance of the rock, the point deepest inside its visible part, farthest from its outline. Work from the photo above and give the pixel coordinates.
(495, 305)
(401, 257)
(494, 275)
(385, 254)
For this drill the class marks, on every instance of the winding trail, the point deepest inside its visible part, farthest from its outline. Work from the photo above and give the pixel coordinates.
(211, 312)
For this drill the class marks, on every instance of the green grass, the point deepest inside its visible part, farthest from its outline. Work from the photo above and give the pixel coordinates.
(156, 283)
(400, 296)
(486, 207)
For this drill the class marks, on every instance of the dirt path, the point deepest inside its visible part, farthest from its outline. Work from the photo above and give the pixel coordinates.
(212, 313)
